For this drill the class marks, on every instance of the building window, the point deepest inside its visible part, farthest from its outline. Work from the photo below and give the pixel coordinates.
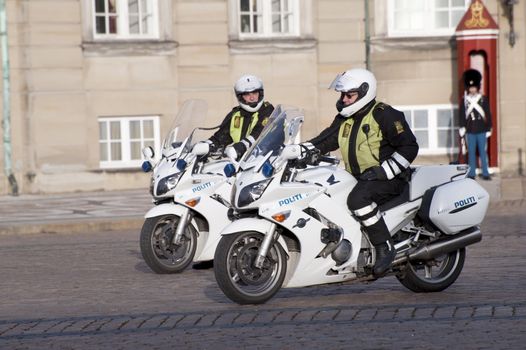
(268, 18)
(125, 19)
(425, 17)
(121, 140)
(435, 127)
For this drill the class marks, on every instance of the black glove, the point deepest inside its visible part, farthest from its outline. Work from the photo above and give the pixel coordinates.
(314, 156)
(213, 148)
(374, 173)
(240, 149)
(309, 153)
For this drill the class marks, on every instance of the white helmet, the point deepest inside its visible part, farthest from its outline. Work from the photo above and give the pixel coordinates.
(354, 80)
(249, 83)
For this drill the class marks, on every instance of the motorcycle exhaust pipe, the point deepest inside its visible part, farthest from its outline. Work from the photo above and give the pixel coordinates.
(443, 246)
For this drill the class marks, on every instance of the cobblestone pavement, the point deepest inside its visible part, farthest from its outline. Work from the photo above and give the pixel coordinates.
(64, 291)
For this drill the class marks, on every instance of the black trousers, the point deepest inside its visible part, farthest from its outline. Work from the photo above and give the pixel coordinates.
(363, 202)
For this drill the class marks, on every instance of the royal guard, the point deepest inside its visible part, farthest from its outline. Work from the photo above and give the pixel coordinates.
(475, 123)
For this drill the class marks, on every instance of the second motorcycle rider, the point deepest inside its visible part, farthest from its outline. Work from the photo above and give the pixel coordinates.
(377, 147)
(244, 123)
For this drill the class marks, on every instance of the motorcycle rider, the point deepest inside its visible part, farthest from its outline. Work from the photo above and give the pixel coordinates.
(243, 124)
(377, 147)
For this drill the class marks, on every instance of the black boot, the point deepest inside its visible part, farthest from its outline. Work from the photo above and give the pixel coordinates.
(385, 254)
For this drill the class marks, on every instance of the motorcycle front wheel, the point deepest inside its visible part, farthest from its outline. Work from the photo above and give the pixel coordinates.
(236, 274)
(157, 247)
(433, 275)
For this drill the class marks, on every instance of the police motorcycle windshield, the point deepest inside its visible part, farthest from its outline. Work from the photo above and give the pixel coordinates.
(186, 130)
(282, 129)
(263, 159)
(182, 133)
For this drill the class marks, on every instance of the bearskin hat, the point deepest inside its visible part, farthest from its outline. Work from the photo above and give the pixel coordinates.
(472, 77)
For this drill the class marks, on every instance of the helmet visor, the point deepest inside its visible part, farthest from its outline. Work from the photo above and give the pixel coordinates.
(336, 83)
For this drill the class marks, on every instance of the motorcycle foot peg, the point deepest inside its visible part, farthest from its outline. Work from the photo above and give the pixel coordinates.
(330, 235)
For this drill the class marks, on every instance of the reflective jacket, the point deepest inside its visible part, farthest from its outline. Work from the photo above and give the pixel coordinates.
(376, 135)
(240, 126)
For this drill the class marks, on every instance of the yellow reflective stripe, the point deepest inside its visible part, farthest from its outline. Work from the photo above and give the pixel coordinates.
(253, 123)
(366, 148)
(236, 125)
(343, 141)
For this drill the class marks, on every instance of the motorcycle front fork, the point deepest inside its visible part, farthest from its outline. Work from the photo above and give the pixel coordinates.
(184, 219)
(265, 245)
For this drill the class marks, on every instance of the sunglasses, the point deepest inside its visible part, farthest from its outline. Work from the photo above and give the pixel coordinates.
(349, 94)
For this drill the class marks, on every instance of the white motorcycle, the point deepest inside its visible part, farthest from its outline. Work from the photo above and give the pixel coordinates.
(294, 228)
(191, 196)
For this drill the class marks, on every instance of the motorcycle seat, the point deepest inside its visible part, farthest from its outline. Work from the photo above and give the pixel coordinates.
(396, 201)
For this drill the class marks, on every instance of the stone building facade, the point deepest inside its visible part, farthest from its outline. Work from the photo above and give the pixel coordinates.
(92, 81)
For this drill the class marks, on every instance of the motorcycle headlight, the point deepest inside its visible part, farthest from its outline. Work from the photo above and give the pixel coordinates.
(252, 192)
(167, 184)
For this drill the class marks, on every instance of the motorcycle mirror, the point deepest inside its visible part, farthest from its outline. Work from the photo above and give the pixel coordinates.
(229, 170)
(267, 169)
(180, 164)
(201, 148)
(146, 166)
(148, 152)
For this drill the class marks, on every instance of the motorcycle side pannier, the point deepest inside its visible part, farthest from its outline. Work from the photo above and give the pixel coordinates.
(455, 206)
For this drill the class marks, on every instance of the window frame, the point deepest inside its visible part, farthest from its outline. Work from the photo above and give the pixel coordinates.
(267, 14)
(123, 22)
(425, 32)
(433, 128)
(125, 140)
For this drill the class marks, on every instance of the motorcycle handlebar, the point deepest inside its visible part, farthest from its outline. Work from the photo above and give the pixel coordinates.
(314, 158)
(330, 160)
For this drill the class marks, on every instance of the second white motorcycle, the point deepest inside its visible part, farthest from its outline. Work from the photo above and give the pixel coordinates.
(191, 196)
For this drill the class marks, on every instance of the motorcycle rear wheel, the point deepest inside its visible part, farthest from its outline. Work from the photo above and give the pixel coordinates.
(433, 275)
(236, 274)
(158, 250)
